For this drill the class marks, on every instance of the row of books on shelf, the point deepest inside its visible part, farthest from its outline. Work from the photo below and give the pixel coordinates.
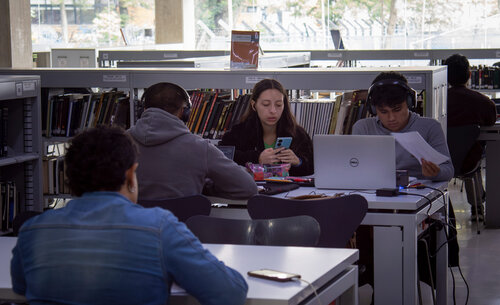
(214, 113)
(331, 116)
(54, 176)
(4, 124)
(9, 204)
(484, 77)
(64, 115)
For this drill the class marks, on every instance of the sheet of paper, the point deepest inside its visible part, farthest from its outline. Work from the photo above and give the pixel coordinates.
(416, 145)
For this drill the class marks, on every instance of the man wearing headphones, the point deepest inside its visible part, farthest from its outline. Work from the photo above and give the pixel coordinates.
(175, 163)
(392, 100)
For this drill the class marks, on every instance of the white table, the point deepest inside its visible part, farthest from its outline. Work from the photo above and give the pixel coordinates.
(330, 271)
(397, 223)
(491, 135)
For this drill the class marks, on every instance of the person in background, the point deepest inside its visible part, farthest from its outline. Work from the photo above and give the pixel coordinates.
(467, 107)
(175, 162)
(391, 100)
(268, 117)
(102, 248)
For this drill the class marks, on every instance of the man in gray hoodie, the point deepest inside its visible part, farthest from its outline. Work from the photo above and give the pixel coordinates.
(173, 162)
(391, 100)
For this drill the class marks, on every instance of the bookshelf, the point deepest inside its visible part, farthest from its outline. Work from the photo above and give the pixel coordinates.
(110, 58)
(20, 163)
(432, 79)
(430, 55)
(270, 60)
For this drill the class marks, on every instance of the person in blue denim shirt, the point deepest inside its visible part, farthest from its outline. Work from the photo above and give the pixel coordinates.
(102, 248)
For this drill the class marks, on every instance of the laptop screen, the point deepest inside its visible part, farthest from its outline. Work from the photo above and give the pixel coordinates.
(227, 150)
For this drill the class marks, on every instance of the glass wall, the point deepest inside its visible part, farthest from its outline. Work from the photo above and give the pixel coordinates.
(283, 24)
(91, 23)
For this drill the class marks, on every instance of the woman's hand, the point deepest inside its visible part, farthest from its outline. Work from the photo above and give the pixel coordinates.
(429, 169)
(268, 156)
(287, 155)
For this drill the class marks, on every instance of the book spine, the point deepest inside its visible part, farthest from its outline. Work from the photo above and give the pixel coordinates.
(201, 113)
(69, 117)
(209, 115)
(3, 207)
(5, 134)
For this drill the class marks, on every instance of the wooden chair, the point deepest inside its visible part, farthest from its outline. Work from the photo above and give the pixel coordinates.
(289, 231)
(182, 207)
(338, 218)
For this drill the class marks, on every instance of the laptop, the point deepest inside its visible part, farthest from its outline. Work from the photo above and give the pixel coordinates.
(354, 161)
(228, 151)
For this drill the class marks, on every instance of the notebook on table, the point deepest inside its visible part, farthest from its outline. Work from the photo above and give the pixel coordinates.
(354, 161)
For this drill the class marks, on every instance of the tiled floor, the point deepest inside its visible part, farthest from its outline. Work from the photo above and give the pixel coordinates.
(479, 260)
(479, 257)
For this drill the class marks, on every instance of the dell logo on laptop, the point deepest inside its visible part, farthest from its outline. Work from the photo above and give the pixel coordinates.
(354, 162)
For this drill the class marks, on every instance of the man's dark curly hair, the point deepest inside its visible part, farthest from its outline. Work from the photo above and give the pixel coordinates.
(97, 160)
(389, 95)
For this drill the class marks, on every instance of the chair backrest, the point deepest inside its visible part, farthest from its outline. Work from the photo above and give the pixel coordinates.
(460, 141)
(301, 231)
(338, 217)
(21, 218)
(182, 207)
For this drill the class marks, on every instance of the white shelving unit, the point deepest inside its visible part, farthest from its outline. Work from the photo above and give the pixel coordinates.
(432, 79)
(21, 96)
(110, 58)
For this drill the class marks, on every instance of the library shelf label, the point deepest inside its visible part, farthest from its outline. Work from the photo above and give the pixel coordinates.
(29, 85)
(414, 79)
(170, 55)
(114, 78)
(256, 79)
(421, 54)
(335, 55)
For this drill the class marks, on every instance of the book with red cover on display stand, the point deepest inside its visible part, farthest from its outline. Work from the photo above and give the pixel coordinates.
(244, 50)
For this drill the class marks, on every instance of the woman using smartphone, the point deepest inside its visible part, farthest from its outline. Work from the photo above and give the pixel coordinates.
(266, 119)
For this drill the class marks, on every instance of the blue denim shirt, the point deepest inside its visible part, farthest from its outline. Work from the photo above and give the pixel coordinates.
(103, 249)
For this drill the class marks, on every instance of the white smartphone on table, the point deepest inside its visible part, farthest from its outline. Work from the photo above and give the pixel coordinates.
(274, 275)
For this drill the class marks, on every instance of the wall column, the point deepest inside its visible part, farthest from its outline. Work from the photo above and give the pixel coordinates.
(174, 21)
(15, 34)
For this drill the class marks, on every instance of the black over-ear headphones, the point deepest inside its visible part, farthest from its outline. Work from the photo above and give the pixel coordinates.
(411, 95)
(179, 91)
(186, 112)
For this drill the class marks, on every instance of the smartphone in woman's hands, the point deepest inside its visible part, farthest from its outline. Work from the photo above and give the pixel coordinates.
(283, 142)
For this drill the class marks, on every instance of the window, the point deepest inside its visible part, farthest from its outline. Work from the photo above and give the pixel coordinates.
(284, 24)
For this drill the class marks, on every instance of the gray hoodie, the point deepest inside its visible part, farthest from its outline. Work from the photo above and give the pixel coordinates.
(175, 163)
(428, 128)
